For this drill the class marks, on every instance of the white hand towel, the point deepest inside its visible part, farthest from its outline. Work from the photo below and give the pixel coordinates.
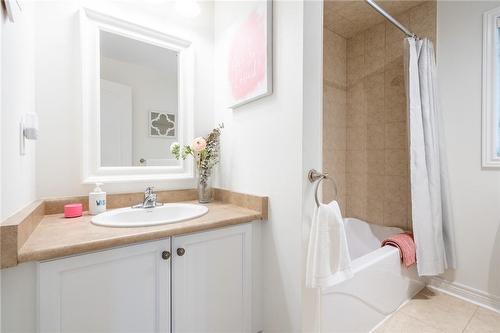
(328, 259)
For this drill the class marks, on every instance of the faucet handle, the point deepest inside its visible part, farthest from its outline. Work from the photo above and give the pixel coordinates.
(149, 190)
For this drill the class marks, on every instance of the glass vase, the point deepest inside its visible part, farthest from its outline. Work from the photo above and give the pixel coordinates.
(205, 193)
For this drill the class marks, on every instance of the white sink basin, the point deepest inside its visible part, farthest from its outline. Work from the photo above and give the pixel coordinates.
(141, 217)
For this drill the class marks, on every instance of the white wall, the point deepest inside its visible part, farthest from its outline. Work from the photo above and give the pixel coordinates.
(312, 152)
(475, 192)
(58, 84)
(18, 98)
(261, 154)
(151, 90)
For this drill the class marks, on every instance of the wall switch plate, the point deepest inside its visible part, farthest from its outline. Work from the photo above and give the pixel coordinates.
(28, 130)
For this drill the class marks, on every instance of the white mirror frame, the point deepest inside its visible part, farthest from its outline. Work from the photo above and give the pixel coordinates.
(490, 158)
(91, 23)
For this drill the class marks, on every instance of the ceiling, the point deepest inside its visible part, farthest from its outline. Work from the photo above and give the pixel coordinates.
(347, 18)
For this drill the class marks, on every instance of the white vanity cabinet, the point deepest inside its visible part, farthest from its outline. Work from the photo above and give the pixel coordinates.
(206, 284)
(212, 281)
(124, 289)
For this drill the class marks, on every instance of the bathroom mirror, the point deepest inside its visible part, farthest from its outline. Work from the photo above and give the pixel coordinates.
(137, 100)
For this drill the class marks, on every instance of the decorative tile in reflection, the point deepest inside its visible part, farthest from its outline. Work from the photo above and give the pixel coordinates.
(162, 124)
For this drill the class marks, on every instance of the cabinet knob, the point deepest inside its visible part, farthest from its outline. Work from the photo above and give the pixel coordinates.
(180, 251)
(165, 255)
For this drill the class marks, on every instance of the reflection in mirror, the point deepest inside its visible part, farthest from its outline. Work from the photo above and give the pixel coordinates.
(138, 101)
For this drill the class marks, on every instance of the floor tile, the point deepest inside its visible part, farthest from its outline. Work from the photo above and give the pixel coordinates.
(484, 321)
(402, 323)
(439, 310)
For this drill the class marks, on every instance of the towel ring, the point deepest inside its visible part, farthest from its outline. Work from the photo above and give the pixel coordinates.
(317, 177)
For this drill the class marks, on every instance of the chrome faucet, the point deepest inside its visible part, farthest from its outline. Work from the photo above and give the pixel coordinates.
(149, 199)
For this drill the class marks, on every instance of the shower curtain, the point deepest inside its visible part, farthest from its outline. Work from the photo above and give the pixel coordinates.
(430, 202)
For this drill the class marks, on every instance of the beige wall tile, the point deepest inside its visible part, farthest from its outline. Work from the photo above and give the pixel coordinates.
(395, 215)
(375, 136)
(374, 61)
(395, 109)
(339, 47)
(335, 116)
(328, 109)
(375, 111)
(356, 183)
(334, 107)
(395, 94)
(334, 58)
(393, 34)
(338, 167)
(396, 189)
(356, 195)
(374, 117)
(355, 46)
(356, 69)
(356, 106)
(375, 206)
(341, 182)
(334, 162)
(394, 81)
(339, 107)
(338, 138)
(373, 86)
(409, 220)
(328, 51)
(339, 24)
(394, 52)
(375, 37)
(397, 162)
(395, 198)
(356, 138)
(376, 162)
(340, 72)
(357, 163)
(423, 20)
(396, 136)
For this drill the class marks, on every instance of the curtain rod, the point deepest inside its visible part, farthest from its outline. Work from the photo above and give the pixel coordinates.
(391, 19)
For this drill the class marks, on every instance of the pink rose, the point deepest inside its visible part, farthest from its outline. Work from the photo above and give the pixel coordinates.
(198, 144)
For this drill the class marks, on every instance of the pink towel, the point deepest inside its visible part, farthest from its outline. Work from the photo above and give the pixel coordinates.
(404, 242)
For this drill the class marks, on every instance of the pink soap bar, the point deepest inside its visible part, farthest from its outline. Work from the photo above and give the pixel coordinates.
(73, 210)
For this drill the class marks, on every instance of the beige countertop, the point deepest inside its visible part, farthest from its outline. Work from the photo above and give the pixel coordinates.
(57, 236)
(40, 231)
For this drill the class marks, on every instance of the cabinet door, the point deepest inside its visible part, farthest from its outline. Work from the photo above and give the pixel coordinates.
(120, 290)
(211, 281)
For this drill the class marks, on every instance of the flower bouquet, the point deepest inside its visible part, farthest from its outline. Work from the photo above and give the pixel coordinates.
(205, 152)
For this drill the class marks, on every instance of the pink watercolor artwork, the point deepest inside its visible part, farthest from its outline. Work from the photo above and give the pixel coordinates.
(248, 59)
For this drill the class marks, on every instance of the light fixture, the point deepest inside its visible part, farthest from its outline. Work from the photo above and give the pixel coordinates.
(187, 8)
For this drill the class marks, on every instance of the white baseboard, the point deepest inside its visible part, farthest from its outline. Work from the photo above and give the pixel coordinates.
(469, 294)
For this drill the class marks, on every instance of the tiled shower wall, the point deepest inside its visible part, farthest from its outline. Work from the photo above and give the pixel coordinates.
(365, 122)
(334, 115)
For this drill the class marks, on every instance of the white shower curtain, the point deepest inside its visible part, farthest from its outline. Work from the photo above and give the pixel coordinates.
(431, 211)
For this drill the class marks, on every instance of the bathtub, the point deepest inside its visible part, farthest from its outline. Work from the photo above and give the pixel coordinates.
(379, 286)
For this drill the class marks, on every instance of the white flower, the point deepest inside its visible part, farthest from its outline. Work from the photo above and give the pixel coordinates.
(174, 146)
(199, 144)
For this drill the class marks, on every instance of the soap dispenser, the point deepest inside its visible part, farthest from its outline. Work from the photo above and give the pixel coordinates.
(97, 200)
